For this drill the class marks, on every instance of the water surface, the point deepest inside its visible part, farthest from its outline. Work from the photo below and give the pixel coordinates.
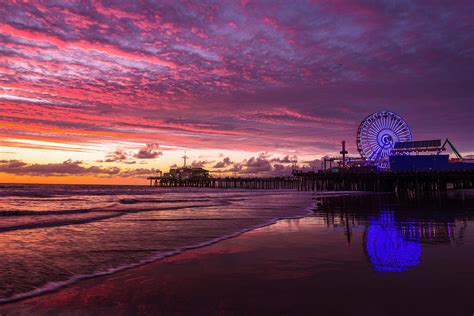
(371, 254)
(54, 235)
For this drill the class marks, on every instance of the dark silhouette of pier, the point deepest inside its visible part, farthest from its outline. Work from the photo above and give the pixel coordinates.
(342, 180)
(386, 181)
(269, 183)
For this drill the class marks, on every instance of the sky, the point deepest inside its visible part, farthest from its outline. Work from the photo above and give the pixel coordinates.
(111, 91)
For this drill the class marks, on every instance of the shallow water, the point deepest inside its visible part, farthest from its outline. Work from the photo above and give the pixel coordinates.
(53, 235)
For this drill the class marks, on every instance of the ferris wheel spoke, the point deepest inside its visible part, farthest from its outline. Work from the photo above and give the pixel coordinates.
(374, 148)
(373, 127)
(386, 122)
(390, 123)
(377, 152)
(403, 128)
(399, 128)
(373, 135)
(383, 121)
(373, 123)
(378, 125)
(393, 123)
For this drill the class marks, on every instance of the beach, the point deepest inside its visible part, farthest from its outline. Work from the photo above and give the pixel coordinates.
(319, 264)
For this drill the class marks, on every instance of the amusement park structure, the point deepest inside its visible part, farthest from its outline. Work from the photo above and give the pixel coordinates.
(385, 142)
(389, 160)
(377, 135)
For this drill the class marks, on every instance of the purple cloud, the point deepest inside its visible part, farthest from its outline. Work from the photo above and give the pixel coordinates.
(150, 151)
(65, 168)
(199, 163)
(222, 164)
(116, 156)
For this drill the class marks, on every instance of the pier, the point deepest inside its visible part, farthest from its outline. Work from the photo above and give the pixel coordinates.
(270, 183)
(390, 161)
(385, 181)
(343, 180)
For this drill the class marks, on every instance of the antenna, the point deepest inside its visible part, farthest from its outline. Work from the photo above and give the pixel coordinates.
(184, 158)
(343, 152)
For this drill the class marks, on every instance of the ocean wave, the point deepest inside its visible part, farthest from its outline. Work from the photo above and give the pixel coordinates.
(195, 219)
(58, 223)
(117, 207)
(51, 191)
(110, 214)
(27, 194)
(57, 212)
(137, 201)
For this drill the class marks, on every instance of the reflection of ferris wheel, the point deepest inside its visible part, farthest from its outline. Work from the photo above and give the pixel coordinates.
(378, 134)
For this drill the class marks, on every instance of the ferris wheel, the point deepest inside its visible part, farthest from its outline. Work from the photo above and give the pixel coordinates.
(378, 133)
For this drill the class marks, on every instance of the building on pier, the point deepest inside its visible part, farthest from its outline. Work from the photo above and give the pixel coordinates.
(412, 156)
(181, 176)
(427, 163)
(186, 173)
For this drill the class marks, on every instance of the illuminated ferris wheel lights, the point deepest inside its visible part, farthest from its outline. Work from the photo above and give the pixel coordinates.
(378, 133)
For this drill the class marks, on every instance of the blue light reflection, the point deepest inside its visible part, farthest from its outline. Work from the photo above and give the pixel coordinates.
(387, 249)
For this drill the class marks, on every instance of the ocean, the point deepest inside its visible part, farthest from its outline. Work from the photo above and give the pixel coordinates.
(55, 235)
(377, 253)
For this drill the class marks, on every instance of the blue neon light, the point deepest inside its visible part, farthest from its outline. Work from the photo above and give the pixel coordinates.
(378, 134)
(388, 251)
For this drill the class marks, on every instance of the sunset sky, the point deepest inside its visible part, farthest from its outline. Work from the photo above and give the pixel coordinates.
(109, 91)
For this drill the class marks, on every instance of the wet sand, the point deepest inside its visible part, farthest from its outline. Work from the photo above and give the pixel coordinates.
(295, 266)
